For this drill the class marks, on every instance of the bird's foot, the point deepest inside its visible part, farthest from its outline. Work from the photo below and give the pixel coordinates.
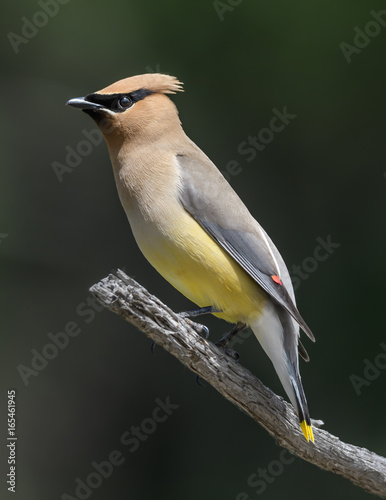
(224, 341)
(232, 354)
(200, 329)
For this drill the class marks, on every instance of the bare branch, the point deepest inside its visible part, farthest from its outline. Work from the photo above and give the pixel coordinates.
(181, 337)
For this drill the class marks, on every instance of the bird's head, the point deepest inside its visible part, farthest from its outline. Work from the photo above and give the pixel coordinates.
(134, 107)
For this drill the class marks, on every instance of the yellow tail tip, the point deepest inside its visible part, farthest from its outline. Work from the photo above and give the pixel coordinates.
(307, 431)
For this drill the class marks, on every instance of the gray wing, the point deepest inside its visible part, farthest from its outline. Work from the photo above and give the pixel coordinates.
(208, 197)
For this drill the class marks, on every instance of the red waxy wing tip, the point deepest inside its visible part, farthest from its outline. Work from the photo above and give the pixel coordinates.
(277, 280)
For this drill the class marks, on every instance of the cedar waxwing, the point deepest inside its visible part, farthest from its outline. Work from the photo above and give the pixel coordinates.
(193, 228)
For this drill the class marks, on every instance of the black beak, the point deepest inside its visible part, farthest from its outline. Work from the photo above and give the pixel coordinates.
(81, 103)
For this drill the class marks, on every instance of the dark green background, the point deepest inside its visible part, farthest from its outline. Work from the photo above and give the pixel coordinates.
(323, 175)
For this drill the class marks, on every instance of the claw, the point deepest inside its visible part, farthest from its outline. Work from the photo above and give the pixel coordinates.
(232, 354)
(205, 332)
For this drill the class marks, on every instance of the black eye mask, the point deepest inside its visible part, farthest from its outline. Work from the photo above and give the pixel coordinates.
(118, 102)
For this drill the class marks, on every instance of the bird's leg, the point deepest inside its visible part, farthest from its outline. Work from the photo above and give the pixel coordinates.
(224, 341)
(199, 311)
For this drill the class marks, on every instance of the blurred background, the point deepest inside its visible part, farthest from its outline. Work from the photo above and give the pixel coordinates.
(322, 178)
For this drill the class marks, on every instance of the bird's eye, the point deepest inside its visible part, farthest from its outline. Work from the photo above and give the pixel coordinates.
(124, 103)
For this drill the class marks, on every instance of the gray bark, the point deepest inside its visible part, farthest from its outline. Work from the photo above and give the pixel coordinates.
(182, 338)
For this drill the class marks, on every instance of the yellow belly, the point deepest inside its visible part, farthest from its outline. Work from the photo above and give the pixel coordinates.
(188, 258)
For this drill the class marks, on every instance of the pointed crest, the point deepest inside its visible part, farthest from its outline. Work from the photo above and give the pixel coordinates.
(155, 82)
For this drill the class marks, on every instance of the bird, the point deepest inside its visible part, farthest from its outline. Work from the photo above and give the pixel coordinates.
(193, 228)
